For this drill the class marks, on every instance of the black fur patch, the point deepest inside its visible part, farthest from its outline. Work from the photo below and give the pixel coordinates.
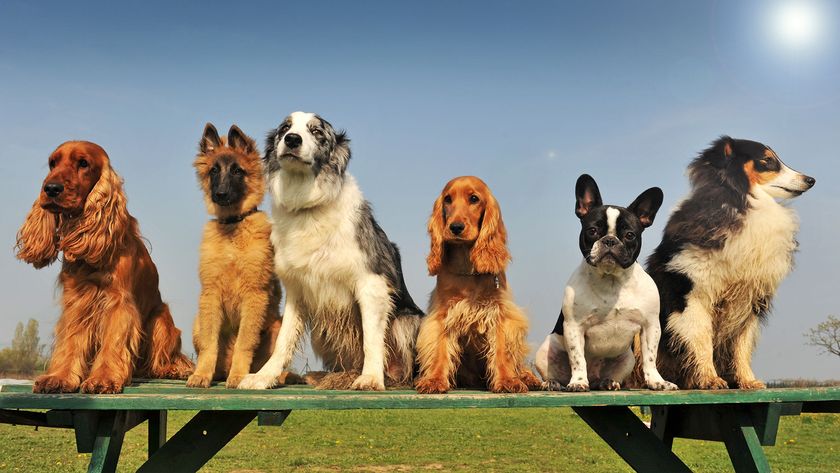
(227, 181)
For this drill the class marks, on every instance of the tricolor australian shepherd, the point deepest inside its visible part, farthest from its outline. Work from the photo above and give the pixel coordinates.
(342, 275)
(725, 250)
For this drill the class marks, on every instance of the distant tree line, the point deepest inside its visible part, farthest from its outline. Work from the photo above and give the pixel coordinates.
(26, 355)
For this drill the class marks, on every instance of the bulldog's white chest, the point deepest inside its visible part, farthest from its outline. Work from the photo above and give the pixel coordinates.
(610, 309)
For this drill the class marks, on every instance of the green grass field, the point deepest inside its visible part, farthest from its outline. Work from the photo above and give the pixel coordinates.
(485, 440)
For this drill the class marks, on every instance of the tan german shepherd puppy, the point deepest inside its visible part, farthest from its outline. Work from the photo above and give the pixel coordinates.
(238, 310)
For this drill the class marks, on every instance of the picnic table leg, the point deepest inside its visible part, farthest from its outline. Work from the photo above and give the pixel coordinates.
(631, 438)
(157, 430)
(198, 441)
(110, 432)
(742, 443)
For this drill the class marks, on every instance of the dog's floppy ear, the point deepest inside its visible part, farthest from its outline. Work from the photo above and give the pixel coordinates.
(587, 195)
(646, 205)
(240, 141)
(341, 151)
(209, 140)
(37, 239)
(489, 253)
(436, 226)
(96, 237)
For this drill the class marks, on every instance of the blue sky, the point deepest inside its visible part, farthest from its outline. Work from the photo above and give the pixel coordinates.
(525, 95)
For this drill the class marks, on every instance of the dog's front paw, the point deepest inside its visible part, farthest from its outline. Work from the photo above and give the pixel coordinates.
(257, 381)
(431, 386)
(715, 382)
(101, 385)
(510, 385)
(50, 384)
(751, 384)
(609, 385)
(552, 385)
(199, 381)
(530, 380)
(233, 380)
(368, 382)
(661, 385)
(577, 387)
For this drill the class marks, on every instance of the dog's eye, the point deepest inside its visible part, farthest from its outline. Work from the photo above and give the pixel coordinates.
(592, 231)
(317, 132)
(447, 199)
(238, 171)
(474, 199)
(284, 127)
(214, 170)
(629, 236)
(83, 163)
(52, 163)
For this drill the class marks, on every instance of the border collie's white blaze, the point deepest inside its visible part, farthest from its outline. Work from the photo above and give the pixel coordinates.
(725, 250)
(343, 277)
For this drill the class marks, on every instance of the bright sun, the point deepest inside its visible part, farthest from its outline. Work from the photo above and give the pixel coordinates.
(796, 24)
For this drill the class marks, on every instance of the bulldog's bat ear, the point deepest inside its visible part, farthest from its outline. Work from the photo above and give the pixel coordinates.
(587, 195)
(646, 205)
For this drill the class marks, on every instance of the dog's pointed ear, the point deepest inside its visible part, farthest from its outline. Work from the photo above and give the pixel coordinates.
(436, 227)
(240, 141)
(587, 195)
(209, 139)
(646, 205)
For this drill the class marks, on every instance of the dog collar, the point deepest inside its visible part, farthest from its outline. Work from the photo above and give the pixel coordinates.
(236, 218)
(495, 277)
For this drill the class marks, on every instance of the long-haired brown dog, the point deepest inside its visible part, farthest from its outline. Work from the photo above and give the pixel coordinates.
(474, 334)
(113, 322)
(239, 307)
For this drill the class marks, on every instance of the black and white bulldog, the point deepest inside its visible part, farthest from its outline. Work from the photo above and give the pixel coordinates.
(608, 300)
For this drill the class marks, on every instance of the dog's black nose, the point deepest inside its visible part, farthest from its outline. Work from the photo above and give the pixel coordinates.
(293, 140)
(456, 228)
(52, 189)
(810, 181)
(610, 241)
(220, 195)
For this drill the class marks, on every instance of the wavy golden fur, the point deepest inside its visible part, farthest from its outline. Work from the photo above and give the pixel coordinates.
(110, 284)
(474, 335)
(238, 315)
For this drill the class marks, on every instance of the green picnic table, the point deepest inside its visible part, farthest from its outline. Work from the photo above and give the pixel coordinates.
(742, 420)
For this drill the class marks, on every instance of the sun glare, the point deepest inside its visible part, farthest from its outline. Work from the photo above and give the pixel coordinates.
(796, 24)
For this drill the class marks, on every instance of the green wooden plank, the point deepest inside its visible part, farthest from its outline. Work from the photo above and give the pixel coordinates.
(742, 442)
(198, 441)
(307, 398)
(631, 439)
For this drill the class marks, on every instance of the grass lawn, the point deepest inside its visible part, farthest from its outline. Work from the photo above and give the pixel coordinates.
(481, 440)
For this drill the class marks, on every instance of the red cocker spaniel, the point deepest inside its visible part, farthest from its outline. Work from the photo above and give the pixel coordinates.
(113, 321)
(474, 335)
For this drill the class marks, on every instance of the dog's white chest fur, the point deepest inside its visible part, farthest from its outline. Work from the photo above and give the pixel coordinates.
(316, 250)
(610, 309)
(750, 265)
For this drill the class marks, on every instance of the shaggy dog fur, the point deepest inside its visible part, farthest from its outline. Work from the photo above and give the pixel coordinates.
(725, 250)
(239, 306)
(474, 335)
(113, 322)
(343, 278)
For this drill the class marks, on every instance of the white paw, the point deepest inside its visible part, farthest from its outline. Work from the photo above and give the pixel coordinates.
(368, 382)
(661, 385)
(257, 381)
(577, 387)
(552, 385)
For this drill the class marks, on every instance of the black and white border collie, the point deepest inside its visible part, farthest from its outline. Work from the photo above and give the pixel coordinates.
(342, 275)
(726, 248)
